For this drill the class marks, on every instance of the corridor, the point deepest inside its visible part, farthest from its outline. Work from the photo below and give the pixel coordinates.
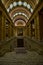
(21, 32)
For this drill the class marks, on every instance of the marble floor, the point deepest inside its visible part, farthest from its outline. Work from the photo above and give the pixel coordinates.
(22, 58)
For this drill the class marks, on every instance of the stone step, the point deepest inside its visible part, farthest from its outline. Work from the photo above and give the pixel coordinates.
(20, 50)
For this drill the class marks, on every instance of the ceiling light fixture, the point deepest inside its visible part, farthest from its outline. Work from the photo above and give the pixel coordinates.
(19, 3)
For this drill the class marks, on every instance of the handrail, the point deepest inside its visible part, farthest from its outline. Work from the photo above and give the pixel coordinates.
(7, 40)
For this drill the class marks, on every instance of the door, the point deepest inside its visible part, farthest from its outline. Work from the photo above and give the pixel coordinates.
(20, 43)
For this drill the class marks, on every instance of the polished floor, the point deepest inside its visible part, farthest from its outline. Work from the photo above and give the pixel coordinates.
(20, 56)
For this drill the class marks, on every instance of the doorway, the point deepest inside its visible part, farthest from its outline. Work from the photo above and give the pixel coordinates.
(20, 42)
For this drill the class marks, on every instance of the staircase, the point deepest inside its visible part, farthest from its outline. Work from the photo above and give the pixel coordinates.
(30, 45)
(21, 55)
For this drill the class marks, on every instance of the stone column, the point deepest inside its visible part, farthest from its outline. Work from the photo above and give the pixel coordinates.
(37, 30)
(9, 34)
(3, 28)
(36, 35)
(24, 31)
(29, 29)
(15, 31)
(0, 25)
(10, 28)
(12, 31)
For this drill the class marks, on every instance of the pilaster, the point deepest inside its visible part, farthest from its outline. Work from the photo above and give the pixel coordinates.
(37, 30)
(29, 29)
(3, 28)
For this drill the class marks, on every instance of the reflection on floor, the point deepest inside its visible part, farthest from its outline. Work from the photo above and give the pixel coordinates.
(28, 58)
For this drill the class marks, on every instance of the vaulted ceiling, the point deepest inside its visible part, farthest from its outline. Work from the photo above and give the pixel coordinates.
(20, 10)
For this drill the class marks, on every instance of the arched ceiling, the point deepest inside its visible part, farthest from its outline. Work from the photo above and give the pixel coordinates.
(20, 10)
(20, 22)
(31, 2)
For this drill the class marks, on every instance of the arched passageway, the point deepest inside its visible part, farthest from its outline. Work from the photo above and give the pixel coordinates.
(21, 32)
